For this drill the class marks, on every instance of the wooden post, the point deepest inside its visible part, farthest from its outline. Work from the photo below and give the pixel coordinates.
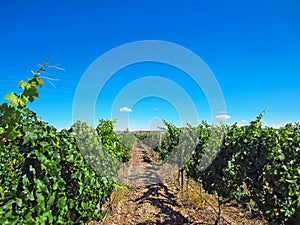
(182, 177)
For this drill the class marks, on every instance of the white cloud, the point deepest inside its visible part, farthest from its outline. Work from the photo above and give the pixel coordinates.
(223, 117)
(244, 121)
(125, 109)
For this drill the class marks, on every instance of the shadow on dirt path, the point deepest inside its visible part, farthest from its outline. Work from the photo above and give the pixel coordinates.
(160, 197)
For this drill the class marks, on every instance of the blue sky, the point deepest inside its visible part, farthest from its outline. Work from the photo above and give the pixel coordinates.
(252, 47)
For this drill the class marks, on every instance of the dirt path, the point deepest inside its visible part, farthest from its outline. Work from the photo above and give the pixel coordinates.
(151, 201)
(143, 169)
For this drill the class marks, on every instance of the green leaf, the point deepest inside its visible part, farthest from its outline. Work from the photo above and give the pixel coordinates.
(61, 202)
(12, 98)
(51, 200)
(23, 84)
(39, 81)
(31, 93)
(40, 199)
(30, 136)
